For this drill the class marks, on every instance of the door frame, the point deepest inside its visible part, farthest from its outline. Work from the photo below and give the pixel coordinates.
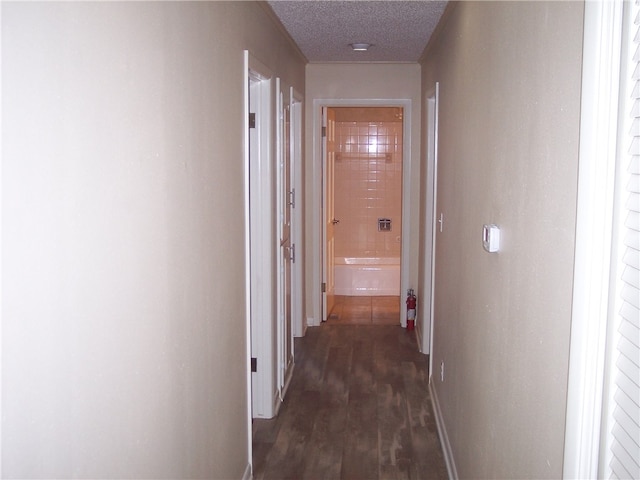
(317, 223)
(428, 224)
(284, 170)
(328, 171)
(297, 272)
(586, 395)
(260, 237)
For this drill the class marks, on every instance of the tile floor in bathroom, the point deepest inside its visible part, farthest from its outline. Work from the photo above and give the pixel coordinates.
(365, 311)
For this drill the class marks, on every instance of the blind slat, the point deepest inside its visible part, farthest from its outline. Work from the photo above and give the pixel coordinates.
(627, 380)
(625, 448)
(633, 185)
(632, 201)
(624, 441)
(630, 333)
(618, 470)
(632, 239)
(623, 463)
(630, 313)
(631, 257)
(630, 429)
(635, 125)
(630, 275)
(631, 295)
(628, 404)
(632, 221)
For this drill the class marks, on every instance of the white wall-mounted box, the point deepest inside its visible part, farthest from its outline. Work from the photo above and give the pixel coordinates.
(491, 238)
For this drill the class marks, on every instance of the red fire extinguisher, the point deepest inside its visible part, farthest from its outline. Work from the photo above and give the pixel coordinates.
(411, 310)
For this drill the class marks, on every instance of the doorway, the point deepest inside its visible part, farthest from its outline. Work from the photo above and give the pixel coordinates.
(364, 236)
(364, 179)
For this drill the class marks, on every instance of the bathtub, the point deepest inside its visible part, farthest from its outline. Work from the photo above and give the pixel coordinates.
(367, 276)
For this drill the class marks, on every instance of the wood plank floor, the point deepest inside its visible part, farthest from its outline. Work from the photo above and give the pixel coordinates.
(358, 407)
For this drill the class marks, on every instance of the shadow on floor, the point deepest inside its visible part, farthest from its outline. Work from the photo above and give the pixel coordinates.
(358, 407)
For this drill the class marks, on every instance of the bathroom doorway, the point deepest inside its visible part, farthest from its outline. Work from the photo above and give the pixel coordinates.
(363, 175)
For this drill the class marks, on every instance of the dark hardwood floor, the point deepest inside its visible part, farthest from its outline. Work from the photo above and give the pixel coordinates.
(358, 407)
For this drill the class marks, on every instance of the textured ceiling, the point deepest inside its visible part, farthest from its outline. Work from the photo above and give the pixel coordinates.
(398, 30)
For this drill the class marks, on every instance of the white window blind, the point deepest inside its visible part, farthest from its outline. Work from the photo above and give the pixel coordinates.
(622, 422)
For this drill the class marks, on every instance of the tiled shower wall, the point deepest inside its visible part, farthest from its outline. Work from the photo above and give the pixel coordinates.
(368, 186)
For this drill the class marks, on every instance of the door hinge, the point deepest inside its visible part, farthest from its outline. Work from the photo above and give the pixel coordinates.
(292, 198)
(292, 253)
(324, 132)
(324, 287)
(252, 120)
(254, 364)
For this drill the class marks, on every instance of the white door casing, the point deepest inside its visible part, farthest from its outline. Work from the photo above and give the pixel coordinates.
(315, 197)
(328, 210)
(428, 225)
(263, 245)
(247, 250)
(601, 436)
(274, 290)
(297, 274)
(285, 250)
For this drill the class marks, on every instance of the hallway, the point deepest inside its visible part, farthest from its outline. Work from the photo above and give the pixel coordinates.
(133, 275)
(358, 407)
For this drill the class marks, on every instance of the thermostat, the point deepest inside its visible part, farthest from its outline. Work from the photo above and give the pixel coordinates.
(491, 238)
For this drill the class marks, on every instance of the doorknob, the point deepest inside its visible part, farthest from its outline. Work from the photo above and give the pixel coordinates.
(334, 221)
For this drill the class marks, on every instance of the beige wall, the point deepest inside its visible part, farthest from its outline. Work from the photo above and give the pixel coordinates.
(509, 76)
(123, 344)
(345, 82)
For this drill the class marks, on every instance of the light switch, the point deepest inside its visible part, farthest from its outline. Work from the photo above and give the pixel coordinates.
(491, 238)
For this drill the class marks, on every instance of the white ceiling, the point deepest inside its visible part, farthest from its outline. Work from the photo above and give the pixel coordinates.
(398, 30)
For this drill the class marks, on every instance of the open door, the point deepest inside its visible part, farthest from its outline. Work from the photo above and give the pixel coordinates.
(287, 249)
(297, 204)
(262, 243)
(429, 224)
(328, 244)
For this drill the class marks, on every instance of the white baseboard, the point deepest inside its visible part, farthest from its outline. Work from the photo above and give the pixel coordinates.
(442, 433)
(277, 401)
(419, 338)
(247, 473)
(287, 380)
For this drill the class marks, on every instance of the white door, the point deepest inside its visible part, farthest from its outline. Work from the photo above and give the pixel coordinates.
(329, 146)
(297, 284)
(262, 242)
(430, 225)
(286, 252)
(257, 383)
